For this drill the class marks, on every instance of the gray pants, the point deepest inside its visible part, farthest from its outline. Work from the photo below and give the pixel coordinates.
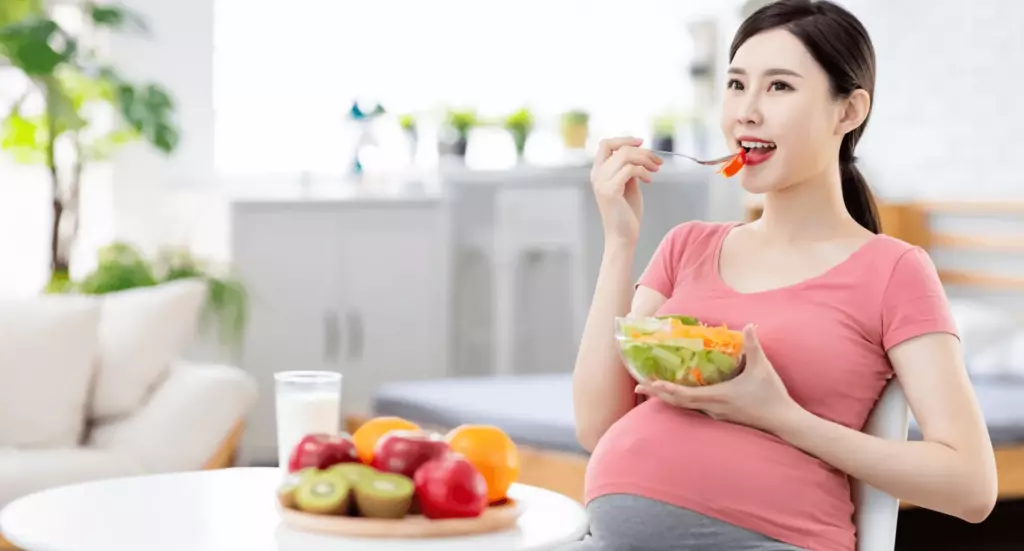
(627, 523)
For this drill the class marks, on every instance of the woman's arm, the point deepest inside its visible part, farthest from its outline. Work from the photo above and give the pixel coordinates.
(952, 470)
(602, 389)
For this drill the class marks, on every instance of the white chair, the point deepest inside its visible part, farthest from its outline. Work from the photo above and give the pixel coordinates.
(876, 512)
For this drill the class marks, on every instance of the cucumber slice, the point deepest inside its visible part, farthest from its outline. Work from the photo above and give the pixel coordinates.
(686, 320)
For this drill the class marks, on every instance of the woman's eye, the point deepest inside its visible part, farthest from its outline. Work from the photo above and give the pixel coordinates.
(734, 84)
(779, 86)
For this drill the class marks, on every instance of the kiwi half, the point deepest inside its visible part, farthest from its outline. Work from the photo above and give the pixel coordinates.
(353, 472)
(286, 490)
(384, 495)
(324, 493)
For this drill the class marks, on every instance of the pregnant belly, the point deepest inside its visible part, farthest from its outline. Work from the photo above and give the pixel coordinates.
(723, 470)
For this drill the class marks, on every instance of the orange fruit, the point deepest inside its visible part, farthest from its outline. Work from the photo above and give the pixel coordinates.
(366, 436)
(492, 452)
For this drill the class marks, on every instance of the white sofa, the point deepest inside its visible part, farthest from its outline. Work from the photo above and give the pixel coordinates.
(95, 387)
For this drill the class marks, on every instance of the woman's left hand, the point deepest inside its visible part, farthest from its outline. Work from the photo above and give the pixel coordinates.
(756, 397)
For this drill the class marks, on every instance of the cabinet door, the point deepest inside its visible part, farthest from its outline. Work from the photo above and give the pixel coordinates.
(288, 258)
(395, 288)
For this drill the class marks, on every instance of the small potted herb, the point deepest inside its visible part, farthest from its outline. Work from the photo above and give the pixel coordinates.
(520, 124)
(664, 132)
(408, 124)
(459, 123)
(575, 128)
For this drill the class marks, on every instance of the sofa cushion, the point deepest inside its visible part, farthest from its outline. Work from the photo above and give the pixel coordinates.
(48, 346)
(23, 472)
(185, 420)
(142, 331)
(987, 332)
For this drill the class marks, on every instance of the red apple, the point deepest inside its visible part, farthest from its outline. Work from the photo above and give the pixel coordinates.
(320, 451)
(403, 451)
(450, 487)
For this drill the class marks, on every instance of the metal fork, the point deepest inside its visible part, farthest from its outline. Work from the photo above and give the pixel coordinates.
(698, 161)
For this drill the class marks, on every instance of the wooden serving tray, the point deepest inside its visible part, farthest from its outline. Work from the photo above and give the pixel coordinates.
(494, 519)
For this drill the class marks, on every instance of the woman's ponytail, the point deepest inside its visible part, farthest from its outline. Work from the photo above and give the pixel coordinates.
(857, 196)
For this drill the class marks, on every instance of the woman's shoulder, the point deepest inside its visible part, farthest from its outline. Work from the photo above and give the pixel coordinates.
(892, 252)
(899, 266)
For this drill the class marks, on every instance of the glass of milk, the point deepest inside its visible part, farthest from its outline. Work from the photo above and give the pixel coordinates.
(306, 402)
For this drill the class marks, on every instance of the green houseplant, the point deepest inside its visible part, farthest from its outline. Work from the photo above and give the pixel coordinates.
(663, 130)
(575, 128)
(81, 94)
(407, 122)
(78, 89)
(121, 266)
(520, 124)
(461, 122)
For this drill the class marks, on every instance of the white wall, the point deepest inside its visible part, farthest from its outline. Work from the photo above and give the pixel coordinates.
(179, 56)
(947, 108)
(947, 112)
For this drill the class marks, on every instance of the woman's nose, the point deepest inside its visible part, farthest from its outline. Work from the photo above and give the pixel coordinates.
(748, 110)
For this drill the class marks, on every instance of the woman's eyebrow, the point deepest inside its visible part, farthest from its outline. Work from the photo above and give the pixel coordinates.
(774, 72)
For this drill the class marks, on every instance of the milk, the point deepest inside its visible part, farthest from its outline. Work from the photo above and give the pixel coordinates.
(301, 412)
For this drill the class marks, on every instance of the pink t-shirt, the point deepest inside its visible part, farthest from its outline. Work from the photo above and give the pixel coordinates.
(826, 336)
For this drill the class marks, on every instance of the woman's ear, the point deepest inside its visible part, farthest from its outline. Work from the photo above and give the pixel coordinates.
(855, 109)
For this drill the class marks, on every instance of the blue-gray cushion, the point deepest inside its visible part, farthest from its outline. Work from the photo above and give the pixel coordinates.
(535, 410)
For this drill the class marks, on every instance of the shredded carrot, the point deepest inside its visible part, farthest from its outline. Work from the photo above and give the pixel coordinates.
(697, 376)
(719, 338)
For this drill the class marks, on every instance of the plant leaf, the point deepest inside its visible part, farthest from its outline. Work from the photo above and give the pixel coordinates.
(103, 147)
(83, 89)
(115, 17)
(37, 45)
(13, 11)
(24, 138)
(150, 111)
(120, 266)
(60, 106)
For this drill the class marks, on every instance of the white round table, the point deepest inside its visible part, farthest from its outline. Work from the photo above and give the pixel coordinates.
(236, 509)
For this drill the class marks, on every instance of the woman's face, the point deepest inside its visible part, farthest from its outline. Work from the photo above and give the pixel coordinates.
(778, 105)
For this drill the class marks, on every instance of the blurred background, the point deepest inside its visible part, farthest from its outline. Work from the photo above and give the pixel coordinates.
(398, 190)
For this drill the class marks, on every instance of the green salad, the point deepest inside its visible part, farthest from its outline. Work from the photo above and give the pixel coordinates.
(679, 349)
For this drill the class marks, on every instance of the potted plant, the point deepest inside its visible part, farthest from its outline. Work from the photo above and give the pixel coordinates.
(408, 124)
(520, 124)
(664, 132)
(73, 82)
(121, 266)
(575, 128)
(459, 123)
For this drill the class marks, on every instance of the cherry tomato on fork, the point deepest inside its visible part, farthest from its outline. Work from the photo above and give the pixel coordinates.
(732, 166)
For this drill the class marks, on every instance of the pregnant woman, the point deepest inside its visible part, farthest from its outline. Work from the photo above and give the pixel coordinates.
(830, 308)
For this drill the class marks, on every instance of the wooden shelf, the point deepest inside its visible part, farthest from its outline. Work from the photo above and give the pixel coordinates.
(982, 281)
(973, 207)
(954, 241)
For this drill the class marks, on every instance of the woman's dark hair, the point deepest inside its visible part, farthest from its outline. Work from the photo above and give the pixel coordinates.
(841, 45)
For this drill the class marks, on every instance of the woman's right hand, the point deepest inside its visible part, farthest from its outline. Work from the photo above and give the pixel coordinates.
(618, 167)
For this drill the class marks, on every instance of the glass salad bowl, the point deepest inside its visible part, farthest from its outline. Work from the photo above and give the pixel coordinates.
(678, 349)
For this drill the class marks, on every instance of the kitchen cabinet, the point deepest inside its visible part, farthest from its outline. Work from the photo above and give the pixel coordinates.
(528, 245)
(344, 284)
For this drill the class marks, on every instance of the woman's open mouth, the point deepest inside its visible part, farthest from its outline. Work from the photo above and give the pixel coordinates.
(758, 151)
